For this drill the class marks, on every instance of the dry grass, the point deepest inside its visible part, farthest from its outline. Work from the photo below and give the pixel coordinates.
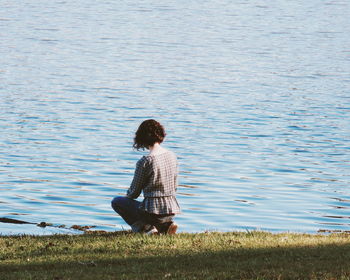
(122, 255)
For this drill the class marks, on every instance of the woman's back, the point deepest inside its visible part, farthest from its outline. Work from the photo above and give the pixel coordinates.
(162, 170)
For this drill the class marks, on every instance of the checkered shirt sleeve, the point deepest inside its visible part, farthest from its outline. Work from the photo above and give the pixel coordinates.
(140, 179)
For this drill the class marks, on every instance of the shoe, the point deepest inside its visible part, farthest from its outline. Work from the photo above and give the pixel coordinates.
(172, 228)
(151, 231)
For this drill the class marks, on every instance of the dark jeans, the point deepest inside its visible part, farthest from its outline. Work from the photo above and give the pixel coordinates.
(129, 210)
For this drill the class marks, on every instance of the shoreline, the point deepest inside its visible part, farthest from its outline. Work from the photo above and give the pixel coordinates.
(61, 229)
(81, 229)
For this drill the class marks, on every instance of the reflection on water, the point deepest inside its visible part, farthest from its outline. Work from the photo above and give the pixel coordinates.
(254, 98)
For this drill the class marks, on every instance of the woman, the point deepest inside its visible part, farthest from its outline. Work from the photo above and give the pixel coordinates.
(155, 176)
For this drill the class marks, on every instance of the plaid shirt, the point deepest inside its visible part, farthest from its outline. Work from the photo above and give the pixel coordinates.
(156, 176)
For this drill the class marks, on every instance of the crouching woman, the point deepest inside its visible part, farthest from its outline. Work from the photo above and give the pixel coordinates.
(155, 176)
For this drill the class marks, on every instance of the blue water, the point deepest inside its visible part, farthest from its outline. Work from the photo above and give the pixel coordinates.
(255, 98)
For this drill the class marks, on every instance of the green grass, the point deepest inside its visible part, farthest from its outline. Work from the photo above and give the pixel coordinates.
(120, 255)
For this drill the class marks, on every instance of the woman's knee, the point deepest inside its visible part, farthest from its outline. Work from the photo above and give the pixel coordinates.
(117, 202)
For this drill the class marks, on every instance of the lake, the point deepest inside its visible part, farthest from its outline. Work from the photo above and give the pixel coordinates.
(254, 96)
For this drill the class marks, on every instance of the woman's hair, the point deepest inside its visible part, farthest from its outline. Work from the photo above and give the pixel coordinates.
(148, 133)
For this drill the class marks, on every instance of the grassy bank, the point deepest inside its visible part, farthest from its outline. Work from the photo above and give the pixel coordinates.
(252, 255)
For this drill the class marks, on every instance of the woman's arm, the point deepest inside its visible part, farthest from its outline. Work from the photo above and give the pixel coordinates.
(140, 179)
